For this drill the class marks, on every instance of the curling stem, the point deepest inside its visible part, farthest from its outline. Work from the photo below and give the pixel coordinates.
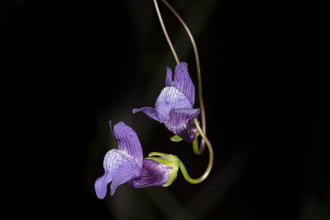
(199, 75)
(165, 32)
(210, 164)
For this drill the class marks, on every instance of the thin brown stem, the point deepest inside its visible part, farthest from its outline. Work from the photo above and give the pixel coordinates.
(209, 166)
(165, 32)
(199, 75)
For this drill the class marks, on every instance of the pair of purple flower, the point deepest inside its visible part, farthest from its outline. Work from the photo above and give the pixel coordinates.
(173, 108)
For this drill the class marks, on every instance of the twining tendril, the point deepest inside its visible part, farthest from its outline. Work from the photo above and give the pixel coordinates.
(199, 76)
(210, 164)
(165, 32)
(174, 162)
(201, 131)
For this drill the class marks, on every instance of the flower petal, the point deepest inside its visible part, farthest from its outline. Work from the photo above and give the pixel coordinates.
(181, 123)
(128, 141)
(183, 81)
(169, 77)
(153, 174)
(168, 99)
(151, 112)
(118, 168)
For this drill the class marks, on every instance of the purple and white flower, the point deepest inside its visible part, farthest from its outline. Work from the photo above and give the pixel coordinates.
(126, 164)
(174, 105)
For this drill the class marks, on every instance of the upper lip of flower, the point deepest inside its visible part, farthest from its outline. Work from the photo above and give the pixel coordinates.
(128, 141)
(182, 81)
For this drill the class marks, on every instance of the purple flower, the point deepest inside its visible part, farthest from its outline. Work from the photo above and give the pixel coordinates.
(174, 105)
(153, 174)
(126, 164)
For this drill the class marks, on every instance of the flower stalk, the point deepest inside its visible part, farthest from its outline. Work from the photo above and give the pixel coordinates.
(165, 32)
(211, 157)
(174, 162)
(210, 164)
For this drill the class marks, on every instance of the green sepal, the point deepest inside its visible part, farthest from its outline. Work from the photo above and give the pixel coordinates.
(176, 138)
(195, 146)
(168, 160)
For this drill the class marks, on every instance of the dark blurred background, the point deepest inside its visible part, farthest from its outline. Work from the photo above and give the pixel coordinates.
(68, 67)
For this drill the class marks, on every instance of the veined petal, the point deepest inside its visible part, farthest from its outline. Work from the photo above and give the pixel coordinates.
(183, 81)
(168, 99)
(128, 141)
(151, 112)
(169, 77)
(118, 168)
(181, 123)
(153, 174)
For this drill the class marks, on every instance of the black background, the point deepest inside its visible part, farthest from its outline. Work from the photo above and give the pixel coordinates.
(65, 62)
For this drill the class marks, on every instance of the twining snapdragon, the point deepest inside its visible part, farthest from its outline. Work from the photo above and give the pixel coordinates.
(174, 105)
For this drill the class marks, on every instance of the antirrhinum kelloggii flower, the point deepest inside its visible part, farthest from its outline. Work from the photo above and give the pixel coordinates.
(126, 164)
(174, 105)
